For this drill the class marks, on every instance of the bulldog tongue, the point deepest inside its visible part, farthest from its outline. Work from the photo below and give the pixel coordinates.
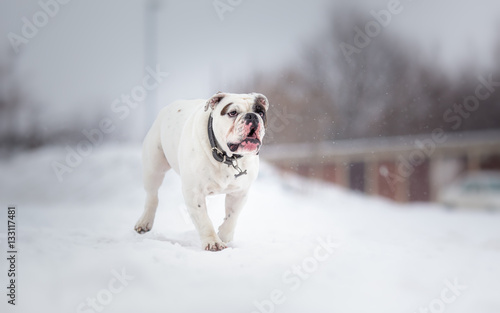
(250, 144)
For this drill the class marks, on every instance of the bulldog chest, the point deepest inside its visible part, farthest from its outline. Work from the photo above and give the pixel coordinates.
(225, 182)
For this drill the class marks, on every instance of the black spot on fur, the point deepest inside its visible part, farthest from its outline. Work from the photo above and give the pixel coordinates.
(225, 109)
(260, 109)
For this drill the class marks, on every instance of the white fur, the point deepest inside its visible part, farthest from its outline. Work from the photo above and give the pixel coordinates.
(178, 139)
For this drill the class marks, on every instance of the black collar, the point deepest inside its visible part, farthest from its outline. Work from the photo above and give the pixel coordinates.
(219, 154)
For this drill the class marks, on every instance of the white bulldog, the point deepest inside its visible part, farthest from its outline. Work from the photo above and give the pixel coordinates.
(213, 145)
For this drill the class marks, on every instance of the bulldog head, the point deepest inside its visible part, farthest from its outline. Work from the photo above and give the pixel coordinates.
(239, 121)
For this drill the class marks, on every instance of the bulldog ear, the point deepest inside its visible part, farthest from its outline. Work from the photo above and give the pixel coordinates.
(261, 99)
(212, 102)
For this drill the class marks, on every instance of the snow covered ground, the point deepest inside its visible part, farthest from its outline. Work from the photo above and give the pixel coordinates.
(300, 246)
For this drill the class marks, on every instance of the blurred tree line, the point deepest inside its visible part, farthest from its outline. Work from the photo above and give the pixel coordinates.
(387, 88)
(27, 123)
(19, 123)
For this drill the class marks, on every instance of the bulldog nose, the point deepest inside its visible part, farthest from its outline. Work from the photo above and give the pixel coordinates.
(251, 118)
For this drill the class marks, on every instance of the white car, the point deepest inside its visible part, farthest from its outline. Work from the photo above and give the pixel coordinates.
(474, 190)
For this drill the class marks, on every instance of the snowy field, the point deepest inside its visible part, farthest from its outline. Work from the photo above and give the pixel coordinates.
(300, 246)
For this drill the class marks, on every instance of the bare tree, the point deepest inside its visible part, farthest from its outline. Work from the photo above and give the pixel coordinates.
(384, 89)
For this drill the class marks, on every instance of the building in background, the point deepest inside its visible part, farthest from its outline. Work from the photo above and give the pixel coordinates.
(409, 168)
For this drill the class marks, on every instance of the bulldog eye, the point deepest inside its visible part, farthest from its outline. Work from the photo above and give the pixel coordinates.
(232, 114)
(261, 113)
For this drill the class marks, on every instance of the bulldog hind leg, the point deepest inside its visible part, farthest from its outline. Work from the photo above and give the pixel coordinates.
(155, 165)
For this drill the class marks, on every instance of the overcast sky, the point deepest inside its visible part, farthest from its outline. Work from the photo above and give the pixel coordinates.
(92, 51)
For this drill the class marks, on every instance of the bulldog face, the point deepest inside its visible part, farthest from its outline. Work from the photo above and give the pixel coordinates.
(239, 121)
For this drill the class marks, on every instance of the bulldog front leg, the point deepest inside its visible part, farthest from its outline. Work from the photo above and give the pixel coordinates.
(197, 209)
(234, 205)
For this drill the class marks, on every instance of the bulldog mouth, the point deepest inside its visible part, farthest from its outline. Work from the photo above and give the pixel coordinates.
(249, 143)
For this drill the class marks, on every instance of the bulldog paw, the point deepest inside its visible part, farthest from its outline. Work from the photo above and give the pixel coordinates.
(211, 244)
(143, 225)
(225, 236)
